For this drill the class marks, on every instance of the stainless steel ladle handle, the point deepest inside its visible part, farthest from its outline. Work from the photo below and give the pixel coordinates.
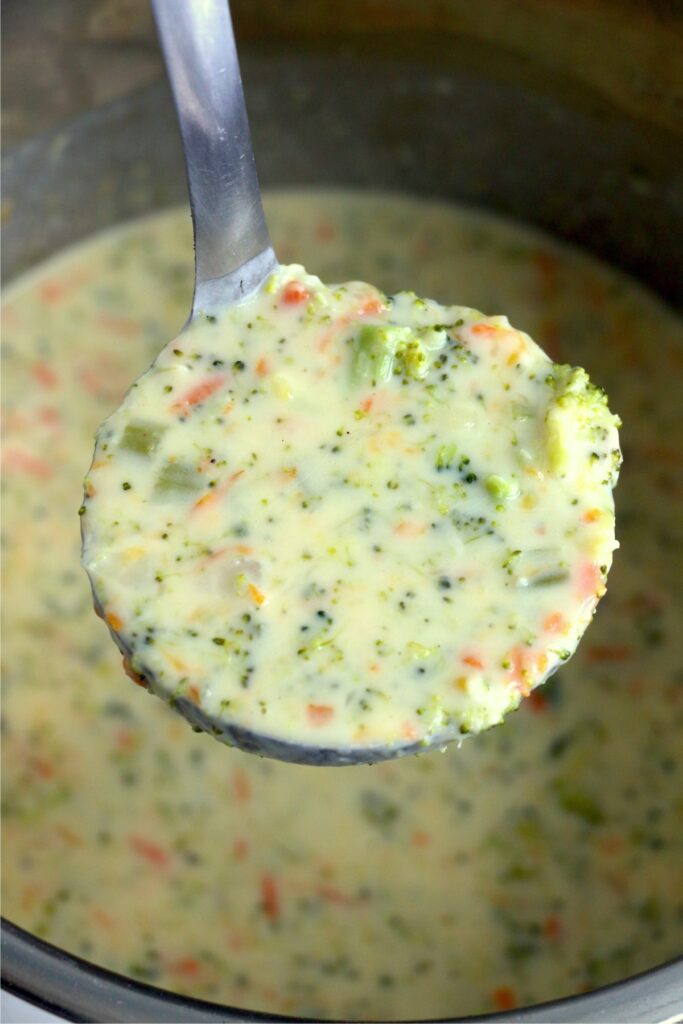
(233, 252)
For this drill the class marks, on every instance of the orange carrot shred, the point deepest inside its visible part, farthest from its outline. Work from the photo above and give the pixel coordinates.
(240, 848)
(270, 897)
(199, 393)
(241, 786)
(149, 851)
(554, 623)
(45, 375)
(295, 292)
(26, 462)
(319, 714)
(504, 998)
(114, 621)
(187, 967)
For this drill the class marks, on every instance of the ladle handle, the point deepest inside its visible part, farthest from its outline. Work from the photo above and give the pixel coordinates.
(233, 251)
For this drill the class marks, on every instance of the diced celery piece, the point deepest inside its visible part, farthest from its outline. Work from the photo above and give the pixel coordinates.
(142, 437)
(177, 476)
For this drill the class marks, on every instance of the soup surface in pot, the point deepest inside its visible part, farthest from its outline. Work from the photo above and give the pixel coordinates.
(539, 860)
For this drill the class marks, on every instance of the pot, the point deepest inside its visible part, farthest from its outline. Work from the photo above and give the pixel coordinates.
(504, 106)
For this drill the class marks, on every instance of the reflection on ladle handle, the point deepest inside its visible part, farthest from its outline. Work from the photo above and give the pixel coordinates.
(233, 251)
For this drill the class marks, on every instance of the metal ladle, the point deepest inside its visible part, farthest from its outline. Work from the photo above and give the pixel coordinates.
(233, 251)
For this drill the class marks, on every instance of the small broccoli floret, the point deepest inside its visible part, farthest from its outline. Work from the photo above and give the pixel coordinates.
(379, 352)
(374, 349)
(580, 429)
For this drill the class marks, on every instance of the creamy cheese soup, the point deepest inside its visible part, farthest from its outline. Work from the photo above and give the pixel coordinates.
(350, 520)
(541, 859)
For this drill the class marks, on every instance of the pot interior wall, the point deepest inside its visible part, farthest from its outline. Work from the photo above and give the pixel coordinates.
(413, 118)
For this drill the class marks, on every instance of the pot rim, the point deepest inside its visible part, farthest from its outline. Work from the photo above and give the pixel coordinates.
(63, 983)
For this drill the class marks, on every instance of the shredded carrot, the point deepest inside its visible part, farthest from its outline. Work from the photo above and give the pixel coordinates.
(26, 462)
(519, 671)
(504, 998)
(262, 368)
(29, 896)
(213, 497)
(295, 292)
(590, 582)
(331, 894)
(324, 231)
(370, 306)
(125, 740)
(137, 678)
(241, 786)
(149, 851)
(319, 714)
(257, 596)
(270, 897)
(113, 620)
(187, 967)
(194, 694)
(104, 919)
(199, 393)
(408, 731)
(474, 660)
(484, 330)
(45, 375)
(406, 529)
(48, 416)
(366, 404)
(240, 848)
(43, 768)
(124, 326)
(52, 292)
(591, 516)
(420, 838)
(611, 845)
(514, 356)
(552, 927)
(555, 623)
(177, 663)
(68, 836)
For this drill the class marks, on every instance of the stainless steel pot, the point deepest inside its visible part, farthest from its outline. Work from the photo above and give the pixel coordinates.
(568, 116)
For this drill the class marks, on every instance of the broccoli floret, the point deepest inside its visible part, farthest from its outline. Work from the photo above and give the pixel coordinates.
(379, 352)
(374, 349)
(577, 416)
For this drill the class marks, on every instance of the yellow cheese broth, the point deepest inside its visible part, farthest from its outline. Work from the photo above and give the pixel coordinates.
(539, 860)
